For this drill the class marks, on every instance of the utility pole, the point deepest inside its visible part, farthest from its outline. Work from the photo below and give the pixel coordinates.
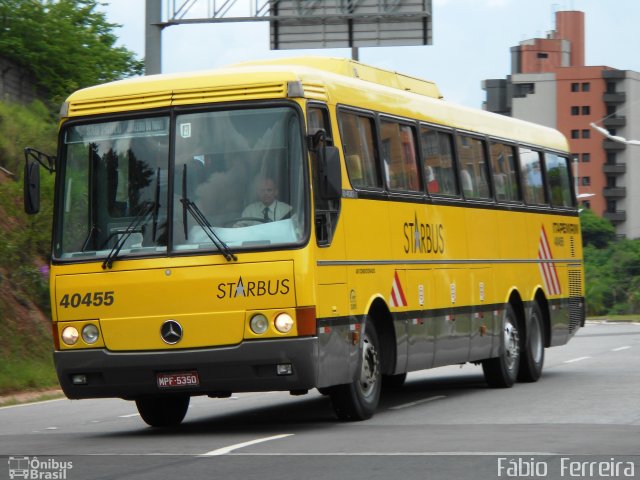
(153, 37)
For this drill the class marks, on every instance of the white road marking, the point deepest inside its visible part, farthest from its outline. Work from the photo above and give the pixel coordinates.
(32, 403)
(396, 454)
(621, 348)
(331, 454)
(231, 448)
(418, 402)
(579, 359)
(129, 415)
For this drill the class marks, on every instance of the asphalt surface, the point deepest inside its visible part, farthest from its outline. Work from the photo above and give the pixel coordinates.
(580, 420)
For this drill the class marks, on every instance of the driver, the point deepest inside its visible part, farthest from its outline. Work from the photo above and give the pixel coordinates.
(268, 208)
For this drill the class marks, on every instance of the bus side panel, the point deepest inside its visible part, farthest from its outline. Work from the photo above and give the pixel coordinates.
(452, 327)
(366, 225)
(483, 329)
(333, 314)
(567, 306)
(482, 245)
(333, 337)
(420, 329)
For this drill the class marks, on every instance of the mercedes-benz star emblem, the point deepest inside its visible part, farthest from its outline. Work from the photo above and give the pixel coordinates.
(171, 332)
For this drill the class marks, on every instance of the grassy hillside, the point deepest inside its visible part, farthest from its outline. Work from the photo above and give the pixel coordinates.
(25, 344)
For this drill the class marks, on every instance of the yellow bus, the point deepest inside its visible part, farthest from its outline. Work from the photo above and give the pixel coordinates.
(297, 224)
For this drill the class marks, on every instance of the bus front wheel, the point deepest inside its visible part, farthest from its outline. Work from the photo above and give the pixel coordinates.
(502, 371)
(359, 399)
(163, 411)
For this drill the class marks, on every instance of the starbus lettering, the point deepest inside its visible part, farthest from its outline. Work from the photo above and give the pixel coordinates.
(259, 288)
(423, 237)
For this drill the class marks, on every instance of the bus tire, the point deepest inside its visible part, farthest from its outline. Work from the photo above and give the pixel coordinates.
(532, 358)
(502, 371)
(163, 411)
(359, 399)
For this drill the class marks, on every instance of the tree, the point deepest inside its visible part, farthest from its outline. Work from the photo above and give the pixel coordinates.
(67, 44)
(612, 268)
(596, 231)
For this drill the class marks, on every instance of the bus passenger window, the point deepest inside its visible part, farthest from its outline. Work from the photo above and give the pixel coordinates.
(399, 156)
(558, 172)
(437, 154)
(532, 176)
(473, 167)
(359, 149)
(505, 173)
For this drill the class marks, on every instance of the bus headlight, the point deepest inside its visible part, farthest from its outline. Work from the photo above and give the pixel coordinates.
(283, 323)
(70, 335)
(259, 324)
(90, 333)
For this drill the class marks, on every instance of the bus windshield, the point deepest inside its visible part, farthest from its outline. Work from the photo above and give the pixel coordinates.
(237, 183)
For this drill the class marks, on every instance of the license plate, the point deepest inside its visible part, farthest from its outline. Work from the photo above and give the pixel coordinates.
(178, 379)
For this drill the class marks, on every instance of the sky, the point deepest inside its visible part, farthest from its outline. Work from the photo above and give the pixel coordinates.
(471, 40)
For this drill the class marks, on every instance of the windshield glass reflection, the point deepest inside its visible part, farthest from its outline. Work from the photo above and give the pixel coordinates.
(243, 171)
(114, 173)
(238, 183)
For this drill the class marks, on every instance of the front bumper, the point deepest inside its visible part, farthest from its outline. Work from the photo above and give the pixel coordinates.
(247, 367)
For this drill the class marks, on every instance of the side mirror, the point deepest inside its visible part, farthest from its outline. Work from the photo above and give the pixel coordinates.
(33, 159)
(329, 173)
(31, 187)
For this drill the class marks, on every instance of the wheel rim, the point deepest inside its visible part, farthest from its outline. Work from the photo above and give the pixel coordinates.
(535, 340)
(511, 344)
(369, 373)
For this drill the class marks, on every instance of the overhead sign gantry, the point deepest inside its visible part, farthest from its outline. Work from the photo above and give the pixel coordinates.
(300, 24)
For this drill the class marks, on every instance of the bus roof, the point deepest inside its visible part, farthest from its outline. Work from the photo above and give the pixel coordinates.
(334, 80)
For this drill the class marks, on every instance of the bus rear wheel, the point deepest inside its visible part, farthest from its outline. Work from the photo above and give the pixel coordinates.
(163, 411)
(502, 371)
(532, 358)
(359, 399)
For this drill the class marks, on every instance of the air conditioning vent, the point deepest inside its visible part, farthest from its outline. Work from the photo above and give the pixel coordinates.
(228, 93)
(572, 246)
(576, 300)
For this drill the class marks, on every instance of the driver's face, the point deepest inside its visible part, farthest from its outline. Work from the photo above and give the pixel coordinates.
(267, 192)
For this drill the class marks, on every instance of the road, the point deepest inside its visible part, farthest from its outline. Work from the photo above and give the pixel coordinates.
(444, 423)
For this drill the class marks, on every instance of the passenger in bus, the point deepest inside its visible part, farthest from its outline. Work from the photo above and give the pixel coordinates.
(534, 177)
(268, 208)
(432, 183)
(500, 182)
(467, 183)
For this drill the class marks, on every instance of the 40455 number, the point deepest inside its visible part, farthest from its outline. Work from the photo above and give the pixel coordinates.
(91, 299)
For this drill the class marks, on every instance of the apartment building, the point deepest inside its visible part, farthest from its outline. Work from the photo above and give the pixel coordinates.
(551, 85)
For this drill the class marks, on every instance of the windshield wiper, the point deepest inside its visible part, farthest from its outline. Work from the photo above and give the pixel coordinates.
(134, 225)
(196, 213)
